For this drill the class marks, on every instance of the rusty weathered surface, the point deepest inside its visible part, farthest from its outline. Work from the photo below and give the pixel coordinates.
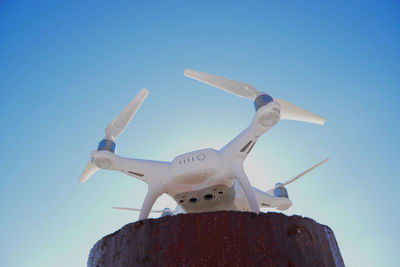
(225, 238)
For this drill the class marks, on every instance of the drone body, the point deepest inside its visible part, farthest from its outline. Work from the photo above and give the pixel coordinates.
(206, 179)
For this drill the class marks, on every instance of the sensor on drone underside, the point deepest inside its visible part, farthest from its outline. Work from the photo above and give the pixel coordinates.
(213, 198)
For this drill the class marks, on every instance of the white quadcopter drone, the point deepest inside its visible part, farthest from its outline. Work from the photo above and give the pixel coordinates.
(206, 179)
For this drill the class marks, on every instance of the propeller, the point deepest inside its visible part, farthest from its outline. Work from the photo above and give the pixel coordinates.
(118, 125)
(89, 170)
(135, 209)
(237, 88)
(115, 129)
(271, 191)
(289, 111)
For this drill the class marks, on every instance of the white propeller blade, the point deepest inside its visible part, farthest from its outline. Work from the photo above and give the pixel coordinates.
(89, 170)
(304, 172)
(118, 125)
(290, 111)
(271, 191)
(134, 209)
(237, 88)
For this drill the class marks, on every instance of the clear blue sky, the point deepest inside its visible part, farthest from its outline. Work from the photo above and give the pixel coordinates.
(67, 68)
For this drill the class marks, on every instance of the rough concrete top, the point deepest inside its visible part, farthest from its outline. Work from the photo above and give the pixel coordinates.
(226, 238)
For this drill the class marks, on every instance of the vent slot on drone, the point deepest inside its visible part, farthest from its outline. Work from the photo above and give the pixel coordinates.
(251, 148)
(136, 173)
(246, 146)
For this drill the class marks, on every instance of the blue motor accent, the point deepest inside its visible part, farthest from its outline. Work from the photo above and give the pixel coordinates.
(106, 144)
(167, 212)
(280, 192)
(262, 100)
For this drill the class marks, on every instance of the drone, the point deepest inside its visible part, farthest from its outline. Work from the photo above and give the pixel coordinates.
(207, 179)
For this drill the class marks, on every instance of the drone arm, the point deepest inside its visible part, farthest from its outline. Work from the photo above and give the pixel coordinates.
(138, 168)
(241, 145)
(143, 169)
(264, 119)
(265, 199)
(248, 190)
